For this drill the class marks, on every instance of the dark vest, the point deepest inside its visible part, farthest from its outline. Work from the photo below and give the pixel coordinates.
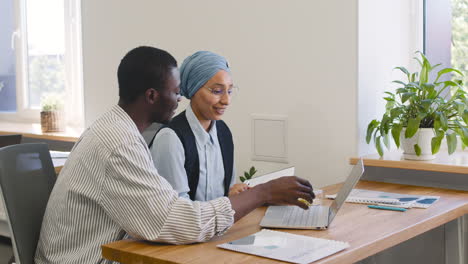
(182, 129)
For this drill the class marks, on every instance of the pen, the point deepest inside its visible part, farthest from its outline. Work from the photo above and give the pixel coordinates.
(304, 201)
(397, 205)
(387, 208)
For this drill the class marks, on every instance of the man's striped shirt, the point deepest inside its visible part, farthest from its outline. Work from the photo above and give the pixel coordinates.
(109, 190)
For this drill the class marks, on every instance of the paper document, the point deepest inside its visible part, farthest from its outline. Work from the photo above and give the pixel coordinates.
(59, 157)
(59, 154)
(270, 176)
(285, 246)
(377, 197)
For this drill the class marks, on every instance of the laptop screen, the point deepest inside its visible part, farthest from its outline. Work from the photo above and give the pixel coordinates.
(345, 190)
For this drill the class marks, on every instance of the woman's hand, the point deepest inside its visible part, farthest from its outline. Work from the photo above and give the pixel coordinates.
(238, 188)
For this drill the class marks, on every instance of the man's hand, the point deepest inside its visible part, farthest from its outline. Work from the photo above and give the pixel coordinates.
(238, 188)
(286, 191)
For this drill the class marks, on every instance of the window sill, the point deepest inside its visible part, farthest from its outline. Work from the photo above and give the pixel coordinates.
(33, 130)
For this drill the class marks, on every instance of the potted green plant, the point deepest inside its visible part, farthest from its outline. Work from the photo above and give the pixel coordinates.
(421, 113)
(52, 116)
(248, 174)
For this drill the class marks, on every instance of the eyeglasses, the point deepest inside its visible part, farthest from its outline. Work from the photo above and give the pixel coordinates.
(220, 91)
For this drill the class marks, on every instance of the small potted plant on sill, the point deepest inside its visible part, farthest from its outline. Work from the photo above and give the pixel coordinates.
(421, 113)
(52, 114)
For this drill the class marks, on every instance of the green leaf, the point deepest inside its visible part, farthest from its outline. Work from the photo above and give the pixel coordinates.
(370, 128)
(414, 85)
(417, 149)
(412, 128)
(435, 143)
(252, 170)
(389, 106)
(445, 71)
(404, 70)
(406, 96)
(460, 107)
(443, 121)
(437, 125)
(378, 146)
(463, 132)
(428, 87)
(418, 60)
(432, 94)
(246, 175)
(395, 112)
(400, 82)
(426, 104)
(451, 142)
(435, 66)
(384, 125)
(451, 84)
(386, 141)
(414, 76)
(465, 116)
(401, 90)
(396, 131)
(423, 76)
(242, 179)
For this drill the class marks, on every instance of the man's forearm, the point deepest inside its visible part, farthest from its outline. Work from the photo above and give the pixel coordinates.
(245, 202)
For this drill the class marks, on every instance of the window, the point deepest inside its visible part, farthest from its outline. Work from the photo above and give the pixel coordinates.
(446, 33)
(459, 50)
(43, 58)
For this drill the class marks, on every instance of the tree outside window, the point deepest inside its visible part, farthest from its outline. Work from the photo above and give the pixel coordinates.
(460, 37)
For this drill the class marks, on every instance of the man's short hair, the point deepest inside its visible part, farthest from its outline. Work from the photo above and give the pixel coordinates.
(143, 68)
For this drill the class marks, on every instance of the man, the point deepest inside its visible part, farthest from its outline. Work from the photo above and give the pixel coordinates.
(109, 189)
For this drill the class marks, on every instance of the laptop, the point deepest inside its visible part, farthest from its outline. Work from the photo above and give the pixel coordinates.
(316, 217)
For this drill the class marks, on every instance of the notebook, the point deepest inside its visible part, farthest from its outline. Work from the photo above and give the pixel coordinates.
(316, 217)
(285, 246)
(270, 176)
(377, 197)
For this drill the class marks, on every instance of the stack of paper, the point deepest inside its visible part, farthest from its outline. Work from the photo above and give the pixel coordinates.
(377, 197)
(270, 176)
(285, 246)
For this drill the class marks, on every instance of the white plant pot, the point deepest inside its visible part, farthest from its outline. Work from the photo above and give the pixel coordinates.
(423, 138)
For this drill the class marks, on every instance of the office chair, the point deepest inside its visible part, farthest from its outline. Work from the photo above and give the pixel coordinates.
(27, 177)
(7, 140)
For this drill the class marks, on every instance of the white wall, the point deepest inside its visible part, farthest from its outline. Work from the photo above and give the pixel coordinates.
(294, 58)
(390, 31)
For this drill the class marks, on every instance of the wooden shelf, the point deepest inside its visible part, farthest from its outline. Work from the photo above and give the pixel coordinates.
(33, 130)
(455, 163)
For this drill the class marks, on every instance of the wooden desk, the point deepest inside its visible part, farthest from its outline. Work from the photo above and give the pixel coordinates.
(33, 130)
(455, 163)
(446, 171)
(367, 230)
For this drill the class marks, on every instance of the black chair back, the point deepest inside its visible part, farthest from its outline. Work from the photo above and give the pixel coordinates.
(7, 140)
(27, 177)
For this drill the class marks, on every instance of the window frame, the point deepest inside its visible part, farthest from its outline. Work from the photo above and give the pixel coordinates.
(73, 66)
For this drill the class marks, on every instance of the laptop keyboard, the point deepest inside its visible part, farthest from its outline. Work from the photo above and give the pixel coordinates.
(296, 216)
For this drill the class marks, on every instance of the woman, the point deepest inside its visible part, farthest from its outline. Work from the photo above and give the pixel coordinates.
(195, 151)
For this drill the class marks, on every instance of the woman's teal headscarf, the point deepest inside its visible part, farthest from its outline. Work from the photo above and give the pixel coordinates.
(197, 69)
